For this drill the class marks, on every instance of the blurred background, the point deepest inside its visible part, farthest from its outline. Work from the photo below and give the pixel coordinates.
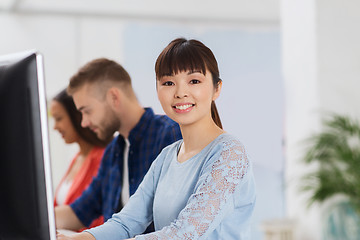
(284, 65)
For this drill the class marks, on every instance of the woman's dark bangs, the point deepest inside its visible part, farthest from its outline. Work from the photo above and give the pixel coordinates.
(173, 62)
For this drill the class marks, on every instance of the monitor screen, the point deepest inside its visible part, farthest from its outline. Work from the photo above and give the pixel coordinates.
(26, 201)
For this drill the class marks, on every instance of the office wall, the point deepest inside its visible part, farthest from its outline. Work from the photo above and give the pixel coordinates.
(251, 103)
(321, 59)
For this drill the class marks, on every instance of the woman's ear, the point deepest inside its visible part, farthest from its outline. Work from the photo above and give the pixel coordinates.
(217, 90)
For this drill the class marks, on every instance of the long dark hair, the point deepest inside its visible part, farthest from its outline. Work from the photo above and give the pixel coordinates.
(189, 55)
(75, 116)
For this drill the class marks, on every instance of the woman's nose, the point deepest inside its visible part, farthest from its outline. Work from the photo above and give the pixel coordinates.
(181, 92)
(56, 125)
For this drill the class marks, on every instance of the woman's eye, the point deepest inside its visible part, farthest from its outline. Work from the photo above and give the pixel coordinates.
(194, 81)
(168, 83)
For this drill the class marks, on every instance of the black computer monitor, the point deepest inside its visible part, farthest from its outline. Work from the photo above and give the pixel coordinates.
(26, 200)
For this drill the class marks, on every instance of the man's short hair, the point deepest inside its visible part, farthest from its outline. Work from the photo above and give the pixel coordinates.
(99, 71)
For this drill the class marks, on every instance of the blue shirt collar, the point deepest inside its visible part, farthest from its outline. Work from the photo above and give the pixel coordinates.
(138, 131)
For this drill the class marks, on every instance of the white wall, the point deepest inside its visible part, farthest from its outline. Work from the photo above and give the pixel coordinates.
(321, 66)
(338, 39)
(302, 101)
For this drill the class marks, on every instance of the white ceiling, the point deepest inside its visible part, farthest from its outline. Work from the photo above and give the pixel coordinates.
(224, 10)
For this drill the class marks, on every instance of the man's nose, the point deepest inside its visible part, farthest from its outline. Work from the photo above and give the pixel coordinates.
(84, 122)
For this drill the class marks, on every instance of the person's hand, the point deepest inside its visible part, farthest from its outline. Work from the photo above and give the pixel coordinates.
(76, 236)
(65, 218)
(60, 236)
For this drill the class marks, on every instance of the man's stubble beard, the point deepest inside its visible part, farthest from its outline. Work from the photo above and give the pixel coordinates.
(110, 126)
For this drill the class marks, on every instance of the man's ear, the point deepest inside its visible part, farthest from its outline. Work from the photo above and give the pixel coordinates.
(217, 91)
(113, 97)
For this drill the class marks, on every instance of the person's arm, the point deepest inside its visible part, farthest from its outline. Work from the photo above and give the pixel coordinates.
(136, 215)
(65, 218)
(77, 236)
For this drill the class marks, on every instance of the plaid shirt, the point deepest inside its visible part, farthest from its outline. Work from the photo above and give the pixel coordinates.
(147, 139)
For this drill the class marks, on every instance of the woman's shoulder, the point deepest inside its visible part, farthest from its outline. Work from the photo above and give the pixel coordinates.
(228, 147)
(229, 154)
(228, 140)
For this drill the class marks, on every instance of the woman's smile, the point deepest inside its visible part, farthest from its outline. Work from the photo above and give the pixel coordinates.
(183, 107)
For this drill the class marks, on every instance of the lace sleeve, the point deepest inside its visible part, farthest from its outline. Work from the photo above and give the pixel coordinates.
(207, 206)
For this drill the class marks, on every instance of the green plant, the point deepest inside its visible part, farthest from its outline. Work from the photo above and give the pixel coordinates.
(336, 150)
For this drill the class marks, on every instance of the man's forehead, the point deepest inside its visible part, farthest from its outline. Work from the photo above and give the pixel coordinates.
(81, 97)
(86, 96)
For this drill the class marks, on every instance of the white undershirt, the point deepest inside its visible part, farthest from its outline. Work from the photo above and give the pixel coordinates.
(125, 192)
(63, 191)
